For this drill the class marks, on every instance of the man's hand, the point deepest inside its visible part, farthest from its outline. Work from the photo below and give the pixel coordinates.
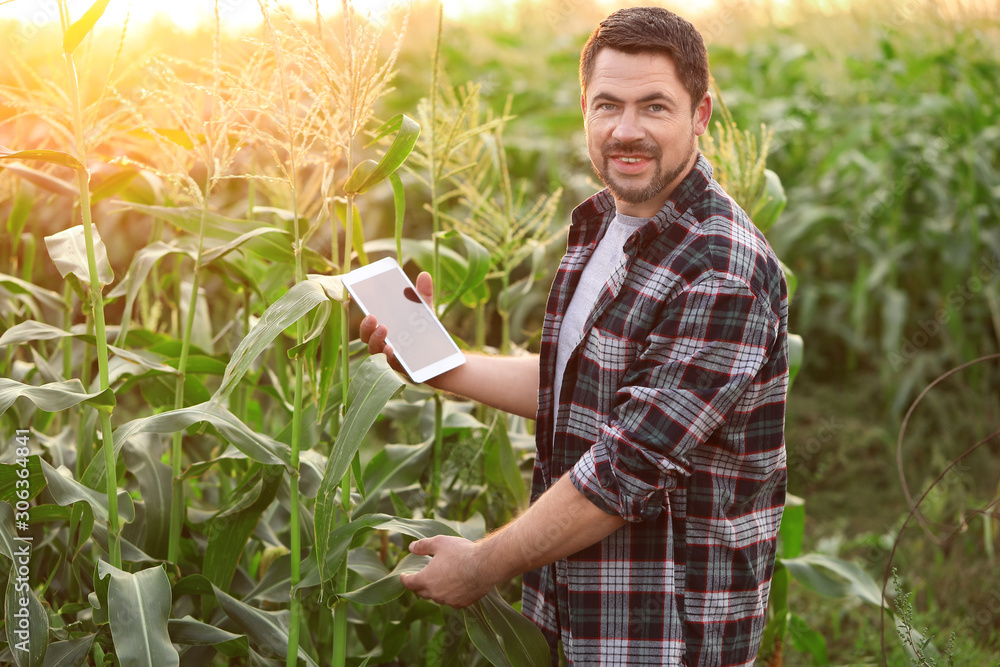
(455, 576)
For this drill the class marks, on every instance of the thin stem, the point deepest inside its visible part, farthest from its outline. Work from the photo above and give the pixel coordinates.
(177, 506)
(83, 181)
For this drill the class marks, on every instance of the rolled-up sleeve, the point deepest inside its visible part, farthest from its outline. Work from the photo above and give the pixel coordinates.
(709, 343)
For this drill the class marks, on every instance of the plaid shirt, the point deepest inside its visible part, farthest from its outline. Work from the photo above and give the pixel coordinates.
(671, 415)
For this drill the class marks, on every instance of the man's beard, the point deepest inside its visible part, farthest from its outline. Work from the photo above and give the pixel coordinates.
(657, 183)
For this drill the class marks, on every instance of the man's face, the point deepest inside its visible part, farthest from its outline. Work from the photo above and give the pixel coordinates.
(641, 132)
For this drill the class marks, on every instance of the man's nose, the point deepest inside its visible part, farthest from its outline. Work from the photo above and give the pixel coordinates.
(628, 128)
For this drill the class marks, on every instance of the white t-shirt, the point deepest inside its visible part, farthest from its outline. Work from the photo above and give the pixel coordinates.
(608, 254)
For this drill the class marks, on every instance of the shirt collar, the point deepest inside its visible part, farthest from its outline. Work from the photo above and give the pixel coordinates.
(595, 209)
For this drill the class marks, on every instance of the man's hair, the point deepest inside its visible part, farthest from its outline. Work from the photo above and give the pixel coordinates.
(651, 30)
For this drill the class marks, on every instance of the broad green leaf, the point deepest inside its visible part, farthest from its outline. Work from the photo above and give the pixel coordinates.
(188, 631)
(369, 173)
(477, 266)
(791, 281)
(7, 543)
(112, 185)
(807, 640)
(41, 179)
(847, 579)
(232, 526)
(27, 623)
(215, 252)
(46, 297)
(69, 652)
(501, 464)
(30, 331)
(484, 637)
(367, 562)
(389, 587)
(522, 641)
(295, 304)
(795, 356)
(188, 218)
(267, 630)
(142, 460)
(54, 396)
(142, 264)
(76, 32)
(258, 447)
(773, 202)
(371, 388)
(65, 491)
(9, 477)
(138, 609)
(68, 250)
(394, 466)
(18, 217)
(54, 157)
(793, 525)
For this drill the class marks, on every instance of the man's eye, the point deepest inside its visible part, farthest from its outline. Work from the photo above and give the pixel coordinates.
(657, 108)
(607, 106)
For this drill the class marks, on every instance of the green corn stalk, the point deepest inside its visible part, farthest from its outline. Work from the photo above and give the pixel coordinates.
(71, 38)
(291, 657)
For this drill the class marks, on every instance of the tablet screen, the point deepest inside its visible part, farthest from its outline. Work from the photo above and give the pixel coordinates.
(416, 336)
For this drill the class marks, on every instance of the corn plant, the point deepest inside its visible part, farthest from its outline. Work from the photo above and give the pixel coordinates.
(235, 506)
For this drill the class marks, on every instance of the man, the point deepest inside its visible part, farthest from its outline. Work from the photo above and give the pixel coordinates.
(659, 478)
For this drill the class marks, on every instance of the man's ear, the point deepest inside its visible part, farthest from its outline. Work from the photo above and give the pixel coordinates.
(583, 104)
(703, 114)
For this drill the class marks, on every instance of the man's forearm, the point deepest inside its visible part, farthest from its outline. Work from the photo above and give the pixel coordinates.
(561, 522)
(506, 383)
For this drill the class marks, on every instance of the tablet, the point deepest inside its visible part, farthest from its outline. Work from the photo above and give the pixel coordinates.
(419, 340)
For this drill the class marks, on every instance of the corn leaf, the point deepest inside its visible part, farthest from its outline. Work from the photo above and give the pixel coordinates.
(371, 388)
(45, 297)
(41, 179)
(82, 27)
(833, 577)
(68, 250)
(65, 491)
(501, 465)
(232, 525)
(17, 219)
(69, 652)
(54, 396)
(389, 587)
(298, 301)
(258, 447)
(53, 157)
(138, 609)
(112, 185)
(522, 641)
(793, 523)
(188, 218)
(9, 476)
(773, 202)
(267, 630)
(142, 460)
(393, 467)
(369, 172)
(27, 625)
(190, 632)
